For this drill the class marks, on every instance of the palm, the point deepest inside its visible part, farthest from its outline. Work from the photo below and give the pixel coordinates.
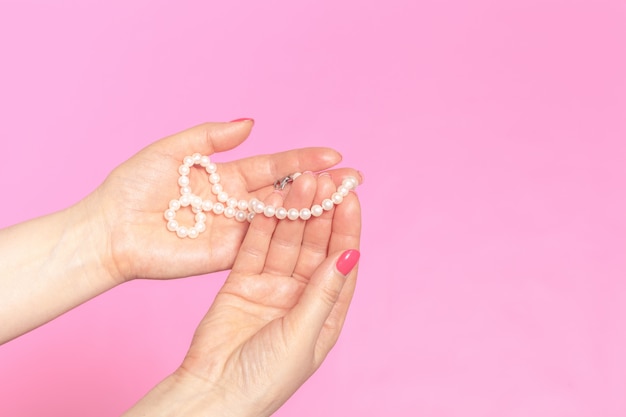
(135, 195)
(254, 337)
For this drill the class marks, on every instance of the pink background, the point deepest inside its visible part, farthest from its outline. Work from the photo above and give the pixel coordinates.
(492, 135)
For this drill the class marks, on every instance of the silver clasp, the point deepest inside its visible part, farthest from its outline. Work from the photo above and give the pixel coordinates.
(282, 183)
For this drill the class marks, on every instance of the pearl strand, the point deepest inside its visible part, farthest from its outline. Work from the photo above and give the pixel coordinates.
(231, 207)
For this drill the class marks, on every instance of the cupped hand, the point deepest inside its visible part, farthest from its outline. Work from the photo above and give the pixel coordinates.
(281, 308)
(131, 202)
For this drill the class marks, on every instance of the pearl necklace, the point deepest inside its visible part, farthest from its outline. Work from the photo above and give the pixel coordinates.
(231, 207)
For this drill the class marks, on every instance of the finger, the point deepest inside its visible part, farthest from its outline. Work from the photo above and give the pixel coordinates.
(206, 139)
(317, 232)
(261, 171)
(254, 248)
(287, 240)
(307, 318)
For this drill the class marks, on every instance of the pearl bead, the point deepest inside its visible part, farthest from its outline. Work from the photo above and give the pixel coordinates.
(185, 200)
(182, 231)
(242, 205)
(317, 210)
(174, 204)
(183, 170)
(281, 213)
(188, 160)
(293, 214)
(192, 233)
(204, 161)
(172, 225)
(269, 211)
(305, 214)
(185, 190)
(337, 198)
(251, 216)
(207, 205)
(196, 158)
(214, 178)
(343, 190)
(222, 197)
(183, 181)
(196, 209)
(327, 204)
(218, 208)
(200, 217)
(217, 188)
(229, 212)
(211, 168)
(241, 216)
(259, 207)
(200, 227)
(232, 202)
(196, 201)
(350, 183)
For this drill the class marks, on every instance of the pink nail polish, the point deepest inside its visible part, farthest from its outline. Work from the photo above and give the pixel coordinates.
(347, 261)
(243, 119)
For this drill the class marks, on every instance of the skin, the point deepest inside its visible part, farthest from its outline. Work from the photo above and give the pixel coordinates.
(279, 312)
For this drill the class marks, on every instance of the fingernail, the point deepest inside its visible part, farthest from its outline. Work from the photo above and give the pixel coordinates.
(243, 119)
(324, 174)
(362, 177)
(347, 261)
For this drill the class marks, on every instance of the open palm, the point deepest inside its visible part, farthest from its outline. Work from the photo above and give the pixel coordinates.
(132, 200)
(283, 305)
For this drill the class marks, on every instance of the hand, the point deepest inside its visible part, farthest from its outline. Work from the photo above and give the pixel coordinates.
(131, 202)
(277, 316)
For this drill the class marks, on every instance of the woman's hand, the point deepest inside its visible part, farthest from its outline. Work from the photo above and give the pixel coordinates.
(132, 200)
(277, 316)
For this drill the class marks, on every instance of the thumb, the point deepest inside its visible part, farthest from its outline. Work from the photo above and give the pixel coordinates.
(207, 138)
(322, 292)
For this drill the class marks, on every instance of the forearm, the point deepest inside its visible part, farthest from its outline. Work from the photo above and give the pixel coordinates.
(48, 266)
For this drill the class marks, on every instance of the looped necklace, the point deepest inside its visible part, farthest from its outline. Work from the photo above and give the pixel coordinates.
(239, 209)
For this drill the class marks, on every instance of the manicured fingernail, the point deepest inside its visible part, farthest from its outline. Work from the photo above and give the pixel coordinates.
(347, 261)
(243, 119)
(324, 174)
(279, 192)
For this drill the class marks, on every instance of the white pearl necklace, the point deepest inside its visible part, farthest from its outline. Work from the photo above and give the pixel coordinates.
(231, 207)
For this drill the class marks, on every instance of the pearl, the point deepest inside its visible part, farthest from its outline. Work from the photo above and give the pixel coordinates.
(192, 233)
(259, 207)
(214, 178)
(183, 181)
(196, 201)
(211, 168)
(327, 204)
(200, 227)
(269, 211)
(196, 158)
(251, 216)
(185, 200)
(222, 197)
(241, 216)
(196, 209)
(229, 212)
(200, 217)
(350, 183)
(181, 231)
(218, 208)
(293, 214)
(207, 205)
(188, 160)
(174, 204)
(305, 214)
(337, 198)
(204, 161)
(183, 170)
(242, 205)
(343, 190)
(172, 225)
(281, 213)
(217, 188)
(185, 190)
(232, 202)
(317, 210)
